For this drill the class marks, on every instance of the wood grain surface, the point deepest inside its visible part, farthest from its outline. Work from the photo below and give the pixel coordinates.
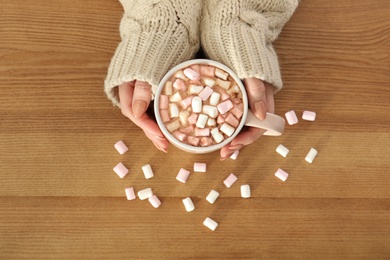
(60, 199)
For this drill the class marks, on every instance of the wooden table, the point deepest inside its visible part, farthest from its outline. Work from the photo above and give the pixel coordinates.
(59, 197)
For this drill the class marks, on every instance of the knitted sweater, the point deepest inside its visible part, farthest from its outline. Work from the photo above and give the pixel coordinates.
(159, 34)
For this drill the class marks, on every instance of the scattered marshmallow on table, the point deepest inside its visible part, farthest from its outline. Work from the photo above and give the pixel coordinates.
(282, 150)
(199, 167)
(245, 191)
(154, 201)
(130, 193)
(147, 169)
(188, 204)
(121, 147)
(235, 155)
(282, 175)
(182, 176)
(212, 196)
(230, 180)
(291, 117)
(145, 194)
(121, 170)
(211, 224)
(309, 115)
(311, 155)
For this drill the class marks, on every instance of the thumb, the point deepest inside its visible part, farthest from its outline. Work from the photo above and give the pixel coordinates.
(141, 98)
(256, 91)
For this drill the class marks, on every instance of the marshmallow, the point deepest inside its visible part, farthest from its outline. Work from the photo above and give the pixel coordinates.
(202, 120)
(185, 103)
(232, 120)
(145, 193)
(164, 116)
(180, 75)
(173, 110)
(179, 136)
(207, 70)
(211, 111)
(281, 174)
(212, 197)
(233, 90)
(191, 74)
(196, 104)
(130, 193)
(309, 115)
(214, 98)
(235, 155)
(179, 84)
(245, 191)
(147, 169)
(223, 84)
(225, 106)
(282, 150)
(194, 141)
(187, 129)
(206, 141)
(121, 170)
(205, 93)
(211, 122)
(168, 88)
(202, 131)
(217, 136)
(188, 204)
(173, 126)
(154, 201)
(121, 147)
(209, 82)
(311, 155)
(199, 167)
(164, 102)
(291, 117)
(227, 129)
(182, 176)
(183, 117)
(221, 74)
(194, 89)
(175, 97)
(211, 224)
(230, 180)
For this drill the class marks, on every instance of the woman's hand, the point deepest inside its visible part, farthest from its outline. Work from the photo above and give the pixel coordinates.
(261, 100)
(134, 99)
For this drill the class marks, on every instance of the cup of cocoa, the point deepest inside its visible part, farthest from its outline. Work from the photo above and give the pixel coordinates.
(201, 105)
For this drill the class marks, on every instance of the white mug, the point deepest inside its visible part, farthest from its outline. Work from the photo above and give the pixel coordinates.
(273, 124)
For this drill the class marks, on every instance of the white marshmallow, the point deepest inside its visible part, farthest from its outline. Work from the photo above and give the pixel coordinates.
(282, 150)
(145, 194)
(199, 167)
(196, 104)
(209, 82)
(282, 175)
(245, 191)
(214, 98)
(154, 201)
(211, 122)
(194, 89)
(218, 137)
(121, 147)
(147, 169)
(188, 204)
(230, 180)
(121, 170)
(173, 110)
(130, 193)
(211, 111)
(227, 129)
(212, 197)
(309, 115)
(211, 224)
(223, 84)
(183, 116)
(291, 117)
(175, 97)
(180, 75)
(173, 126)
(311, 155)
(221, 74)
(235, 155)
(168, 88)
(202, 120)
(191, 74)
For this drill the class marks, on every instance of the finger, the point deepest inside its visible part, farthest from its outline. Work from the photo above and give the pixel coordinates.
(141, 98)
(269, 92)
(256, 91)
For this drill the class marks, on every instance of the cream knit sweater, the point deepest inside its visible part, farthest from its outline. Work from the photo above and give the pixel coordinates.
(159, 34)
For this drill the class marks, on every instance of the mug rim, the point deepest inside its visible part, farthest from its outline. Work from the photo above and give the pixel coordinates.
(169, 136)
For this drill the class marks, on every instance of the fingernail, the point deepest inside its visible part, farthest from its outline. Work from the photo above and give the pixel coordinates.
(139, 107)
(236, 147)
(260, 109)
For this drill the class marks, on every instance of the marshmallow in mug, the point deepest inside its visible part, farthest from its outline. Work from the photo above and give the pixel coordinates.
(201, 105)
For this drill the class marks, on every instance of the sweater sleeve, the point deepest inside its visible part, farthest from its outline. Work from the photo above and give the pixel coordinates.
(240, 35)
(156, 35)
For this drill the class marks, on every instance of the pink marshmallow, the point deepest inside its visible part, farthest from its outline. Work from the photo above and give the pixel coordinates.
(164, 102)
(193, 118)
(121, 147)
(154, 201)
(206, 141)
(130, 193)
(220, 119)
(225, 106)
(291, 117)
(231, 120)
(281, 174)
(230, 180)
(224, 95)
(164, 115)
(179, 84)
(309, 115)
(205, 93)
(182, 176)
(185, 103)
(179, 136)
(121, 170)
(199, 167)
(187, 129)
(191, 74)
(202, 131)
(194, 141)
(207, 70)
(237, 111)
